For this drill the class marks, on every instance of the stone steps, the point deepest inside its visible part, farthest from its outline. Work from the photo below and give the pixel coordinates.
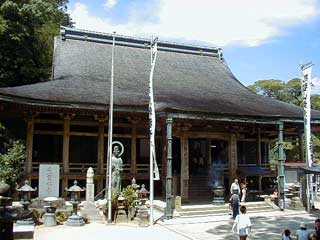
(211, 210)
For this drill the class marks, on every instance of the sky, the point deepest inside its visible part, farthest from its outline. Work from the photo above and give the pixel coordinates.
(260, 39)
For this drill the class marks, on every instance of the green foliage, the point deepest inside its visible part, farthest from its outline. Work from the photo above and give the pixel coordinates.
(289, 92)
(315, 101)
(271, 88)
(11, 163)
(114, 200)
(61, 217)
(316, 148)
(27, 29)
(130, 195)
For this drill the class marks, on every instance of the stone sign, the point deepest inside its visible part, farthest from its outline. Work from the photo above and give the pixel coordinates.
(49, 176)
(90, 186)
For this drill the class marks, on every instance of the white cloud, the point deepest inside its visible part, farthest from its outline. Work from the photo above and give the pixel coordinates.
(245, 22)
(316, 82)
(110, 3)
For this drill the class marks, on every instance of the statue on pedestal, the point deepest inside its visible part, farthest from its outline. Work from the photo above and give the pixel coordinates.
(116, 166)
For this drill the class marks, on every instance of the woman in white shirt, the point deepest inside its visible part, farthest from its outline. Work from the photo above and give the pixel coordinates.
(243, 223)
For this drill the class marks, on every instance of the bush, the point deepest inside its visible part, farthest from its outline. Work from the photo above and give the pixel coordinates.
(130, 196)
(11, 163)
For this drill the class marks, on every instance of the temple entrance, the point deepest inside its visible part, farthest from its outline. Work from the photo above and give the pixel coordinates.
(208, 167)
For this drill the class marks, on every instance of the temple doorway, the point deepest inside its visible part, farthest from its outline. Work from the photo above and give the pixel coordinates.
(208, 167)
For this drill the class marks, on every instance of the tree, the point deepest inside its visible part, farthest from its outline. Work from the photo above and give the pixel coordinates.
(12, 157)
(27, 28)
(289, 92)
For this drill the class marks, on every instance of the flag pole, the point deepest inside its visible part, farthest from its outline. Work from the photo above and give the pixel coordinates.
(306, 92)
(109, 156)
(152, 119)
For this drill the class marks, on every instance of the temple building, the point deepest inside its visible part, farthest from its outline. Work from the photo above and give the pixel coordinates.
(210, 128)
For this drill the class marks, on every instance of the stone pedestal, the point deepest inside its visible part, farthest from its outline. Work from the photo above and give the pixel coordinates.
(90, 186)
(143, 216)
(121, 216)
(177, 202)
(50, 220)
(23, 232)
(75, 221)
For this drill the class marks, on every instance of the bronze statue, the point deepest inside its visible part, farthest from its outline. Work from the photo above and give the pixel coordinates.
(116, 165)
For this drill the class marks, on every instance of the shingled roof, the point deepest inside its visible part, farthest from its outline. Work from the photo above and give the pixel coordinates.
(188, 79)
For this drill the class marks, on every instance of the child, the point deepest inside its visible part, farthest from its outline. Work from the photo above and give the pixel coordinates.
(243, 224)
(286, 235)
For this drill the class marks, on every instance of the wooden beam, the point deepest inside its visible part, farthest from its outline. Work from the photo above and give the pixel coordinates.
(221, 136)
(87, 134)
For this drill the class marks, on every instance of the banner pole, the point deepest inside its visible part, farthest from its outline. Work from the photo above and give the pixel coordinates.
(109, 156)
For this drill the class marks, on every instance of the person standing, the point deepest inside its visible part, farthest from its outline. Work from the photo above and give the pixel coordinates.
(303, 233)
(244, 192)
(235, 202)
(235, 188)
(243, 224)
(317, 229)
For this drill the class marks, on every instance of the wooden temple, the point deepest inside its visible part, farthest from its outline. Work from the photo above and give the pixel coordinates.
(210, 128)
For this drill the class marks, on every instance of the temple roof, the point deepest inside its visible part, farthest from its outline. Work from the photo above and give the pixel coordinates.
(187, 79)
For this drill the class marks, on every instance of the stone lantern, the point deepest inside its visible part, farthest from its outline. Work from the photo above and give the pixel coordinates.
(75, 219)
(120, 214)
(8, 214)
(143, 212)
(25, 200)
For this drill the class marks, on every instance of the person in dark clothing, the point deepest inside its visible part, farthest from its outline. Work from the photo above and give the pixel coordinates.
(235, 202)
(317, 229)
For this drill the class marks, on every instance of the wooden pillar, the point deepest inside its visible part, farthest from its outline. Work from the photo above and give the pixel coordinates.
(66, 141)
(281, 162)
(164, 159)
(169, 196)
(133, 167)
(233, 161)
(100, 158)
(259, 157)
(259, 146)
(301, 145)
(184, 180)
(100, 162)
(65, 152)
(29, 145)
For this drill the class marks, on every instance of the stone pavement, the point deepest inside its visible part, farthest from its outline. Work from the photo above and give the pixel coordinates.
(97, 231)
(268, 225)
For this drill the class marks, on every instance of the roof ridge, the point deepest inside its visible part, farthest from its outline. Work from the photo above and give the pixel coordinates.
(100, 37)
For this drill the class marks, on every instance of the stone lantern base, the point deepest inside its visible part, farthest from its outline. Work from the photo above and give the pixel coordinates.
(75, 221)
(218, 196)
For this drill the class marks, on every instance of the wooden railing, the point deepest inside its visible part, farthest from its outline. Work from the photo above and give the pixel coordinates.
(83, 167)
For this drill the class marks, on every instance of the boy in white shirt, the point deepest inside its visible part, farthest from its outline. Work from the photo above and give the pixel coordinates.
(243, 224)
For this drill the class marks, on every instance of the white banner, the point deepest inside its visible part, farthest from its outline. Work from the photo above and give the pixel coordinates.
(152, 114)
(306, 94)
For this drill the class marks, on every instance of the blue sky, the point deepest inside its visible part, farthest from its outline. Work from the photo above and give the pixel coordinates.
(260, 39)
